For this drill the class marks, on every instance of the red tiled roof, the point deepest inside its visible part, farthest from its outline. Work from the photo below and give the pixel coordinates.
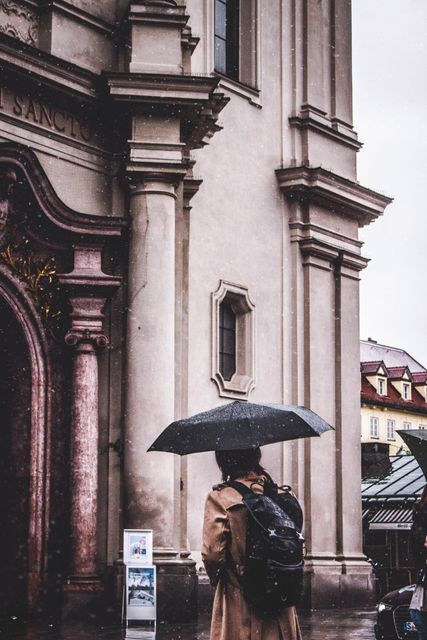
(397, 373)
(370, 367)
(420, 377)
(393, 399)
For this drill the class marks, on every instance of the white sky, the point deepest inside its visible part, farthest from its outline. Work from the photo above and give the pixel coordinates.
(390, 115)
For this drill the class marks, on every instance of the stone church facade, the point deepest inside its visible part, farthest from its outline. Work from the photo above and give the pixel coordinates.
(179, 228)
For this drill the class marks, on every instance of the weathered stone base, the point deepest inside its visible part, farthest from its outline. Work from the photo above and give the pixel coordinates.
(83, 599)
(176, 589)
(338, 583)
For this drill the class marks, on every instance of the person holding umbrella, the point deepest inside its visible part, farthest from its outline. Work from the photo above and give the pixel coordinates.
(223, 553)
(236, 431)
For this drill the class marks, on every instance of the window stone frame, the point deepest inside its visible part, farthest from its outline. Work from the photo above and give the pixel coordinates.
(243, 381)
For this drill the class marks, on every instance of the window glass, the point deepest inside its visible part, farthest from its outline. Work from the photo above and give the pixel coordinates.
(390, 429)
(227, 340)
(235, 39)
(374, 427)
(406, 426)
(221, 19)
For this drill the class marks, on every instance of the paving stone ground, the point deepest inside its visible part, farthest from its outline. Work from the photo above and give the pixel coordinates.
(340, 624)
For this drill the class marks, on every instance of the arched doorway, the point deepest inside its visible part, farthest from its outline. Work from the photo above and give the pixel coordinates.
(15, 461)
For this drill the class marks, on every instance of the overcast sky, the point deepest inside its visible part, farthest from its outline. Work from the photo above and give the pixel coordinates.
(390, 115)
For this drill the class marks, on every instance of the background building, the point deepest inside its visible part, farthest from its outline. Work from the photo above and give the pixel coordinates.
(388, 498)
(393, 395)
(154, 265)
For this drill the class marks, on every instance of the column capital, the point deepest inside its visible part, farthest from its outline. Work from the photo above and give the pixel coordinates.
(86, 340)
(144, 183)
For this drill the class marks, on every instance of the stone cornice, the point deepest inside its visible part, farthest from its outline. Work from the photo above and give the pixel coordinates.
(78, 14)
(331, 191)
(321, 254)
(167, 89)
(166, 13)
(26, 62)
(312, 119)
(189, 96)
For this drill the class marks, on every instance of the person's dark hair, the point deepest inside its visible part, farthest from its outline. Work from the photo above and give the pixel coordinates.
(239, 463)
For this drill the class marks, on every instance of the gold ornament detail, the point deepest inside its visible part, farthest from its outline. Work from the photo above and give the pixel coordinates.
(39, 274)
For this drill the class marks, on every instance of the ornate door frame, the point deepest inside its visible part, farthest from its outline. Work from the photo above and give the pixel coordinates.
(83, 237)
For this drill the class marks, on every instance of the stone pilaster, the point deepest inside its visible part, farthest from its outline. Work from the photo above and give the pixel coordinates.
(356, 575)
(325, 211)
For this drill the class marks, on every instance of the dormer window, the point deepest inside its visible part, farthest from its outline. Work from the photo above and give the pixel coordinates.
(382, 387)
(406, 391)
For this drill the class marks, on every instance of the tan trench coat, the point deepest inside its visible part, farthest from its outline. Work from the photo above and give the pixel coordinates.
(225, 528)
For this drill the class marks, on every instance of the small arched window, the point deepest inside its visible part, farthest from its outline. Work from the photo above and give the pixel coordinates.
(227, 340)
(233, 341)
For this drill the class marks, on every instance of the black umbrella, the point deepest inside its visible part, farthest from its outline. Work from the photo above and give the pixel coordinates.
(239, 425)
(416, 439)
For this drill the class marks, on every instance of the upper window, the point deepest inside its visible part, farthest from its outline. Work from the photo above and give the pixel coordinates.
(227, 38)
(235, 40)
(374, 427)
(406, 426)
(233, 361)
(381, 387)
(406, 391)
(390, 429)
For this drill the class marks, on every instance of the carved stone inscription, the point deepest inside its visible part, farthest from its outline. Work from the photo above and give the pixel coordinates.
(35, 111)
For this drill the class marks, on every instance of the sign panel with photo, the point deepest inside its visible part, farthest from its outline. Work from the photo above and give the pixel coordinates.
(140, 592)
(138, 546)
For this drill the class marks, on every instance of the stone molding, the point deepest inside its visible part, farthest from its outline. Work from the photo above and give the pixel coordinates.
(67, 220)
(310, 118)
(164, 13)
(318, 186)
(243, 380)
(52, 72)
(26, 26)
(79, 15)
(194, 96)
(16, 295)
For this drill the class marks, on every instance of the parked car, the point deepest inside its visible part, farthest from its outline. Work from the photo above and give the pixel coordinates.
(393, 621)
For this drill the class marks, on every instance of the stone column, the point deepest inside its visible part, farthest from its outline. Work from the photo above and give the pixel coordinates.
(88, 289)
(150, 385)
(152, 486)
(84, 440)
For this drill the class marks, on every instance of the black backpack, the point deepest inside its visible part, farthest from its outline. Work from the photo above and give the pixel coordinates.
(274, 563)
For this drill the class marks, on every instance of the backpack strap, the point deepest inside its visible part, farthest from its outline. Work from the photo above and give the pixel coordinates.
(240, 488)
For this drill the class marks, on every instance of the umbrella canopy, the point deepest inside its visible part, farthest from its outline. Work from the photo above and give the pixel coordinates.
(239, 425)
(416, 439)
